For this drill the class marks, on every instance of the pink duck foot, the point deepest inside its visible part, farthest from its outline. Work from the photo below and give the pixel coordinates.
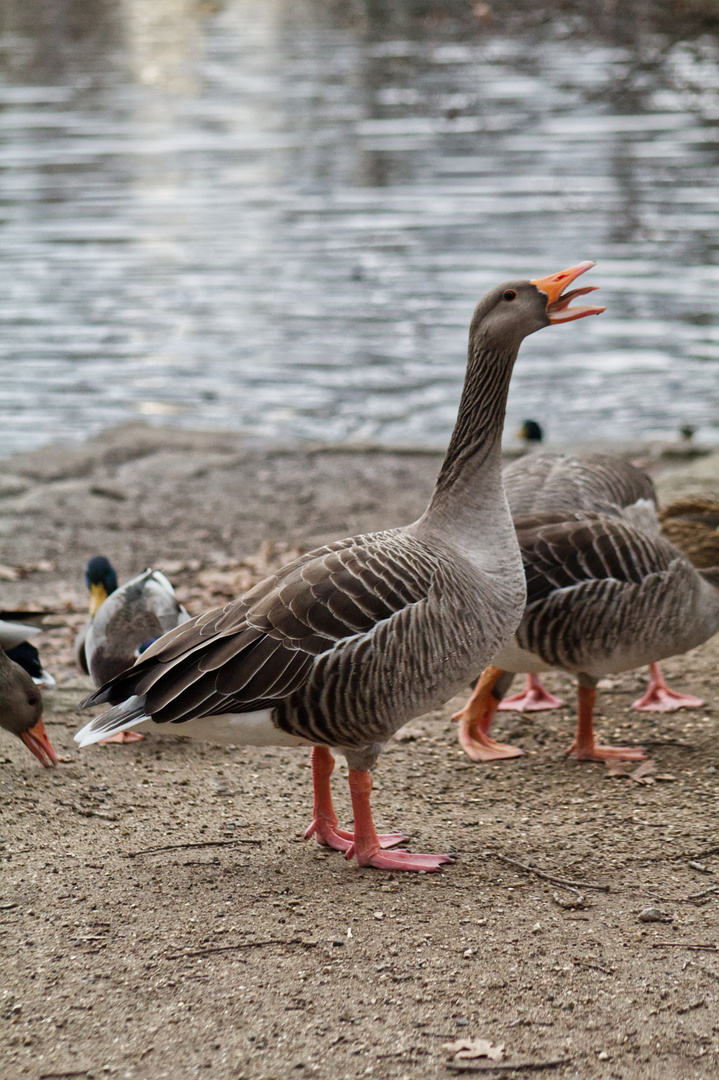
(121, 737)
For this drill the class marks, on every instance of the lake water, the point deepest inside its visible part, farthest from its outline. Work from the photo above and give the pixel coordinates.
(277, 216)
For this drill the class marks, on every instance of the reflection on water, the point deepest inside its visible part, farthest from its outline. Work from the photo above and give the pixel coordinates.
(277, 217)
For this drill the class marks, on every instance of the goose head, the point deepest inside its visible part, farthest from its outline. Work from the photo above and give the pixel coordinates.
(101, 580)
(21, 710)
(512, 311)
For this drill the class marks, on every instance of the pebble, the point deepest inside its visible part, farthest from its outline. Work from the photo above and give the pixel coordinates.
(653, 914)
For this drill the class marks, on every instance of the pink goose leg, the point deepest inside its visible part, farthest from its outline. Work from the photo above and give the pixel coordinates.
(367, 844)
(584, 747)
(475, 720)
(659, 698)
(534, 698)
(324, 826)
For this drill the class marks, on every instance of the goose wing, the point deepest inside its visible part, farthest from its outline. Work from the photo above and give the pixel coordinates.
(597, 588)
(258, 649)
(594, 482)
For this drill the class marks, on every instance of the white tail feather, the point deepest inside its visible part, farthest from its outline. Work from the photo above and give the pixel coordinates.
(120, 718)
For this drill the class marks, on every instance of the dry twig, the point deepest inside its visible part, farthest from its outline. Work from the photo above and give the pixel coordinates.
(199, 844)
(240, 945)
(564, 882)
(507, 1066)
(682, 945)
(703, 893)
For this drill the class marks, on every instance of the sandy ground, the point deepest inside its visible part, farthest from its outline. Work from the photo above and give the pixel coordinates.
(237, 949)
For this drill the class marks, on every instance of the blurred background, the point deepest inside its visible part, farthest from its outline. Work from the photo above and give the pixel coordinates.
(276, 216)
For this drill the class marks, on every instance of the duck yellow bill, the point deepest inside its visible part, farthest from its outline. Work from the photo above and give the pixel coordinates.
(38, 743)
(558, 309)
(98, 596)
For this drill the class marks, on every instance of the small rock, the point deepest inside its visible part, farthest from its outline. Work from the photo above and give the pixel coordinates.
(602, 1055)
(537, 928)
(653, 914)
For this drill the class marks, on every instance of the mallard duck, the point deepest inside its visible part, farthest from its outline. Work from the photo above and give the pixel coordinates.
(15, 641)
(603, 596)
(123, 622)
(344, 645)
(597, 482)
(531, 433)
(21, 710)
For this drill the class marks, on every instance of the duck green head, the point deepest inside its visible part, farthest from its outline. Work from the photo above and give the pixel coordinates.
(101, 580)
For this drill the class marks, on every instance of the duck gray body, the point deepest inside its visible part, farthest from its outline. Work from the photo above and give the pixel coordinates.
(139, 612)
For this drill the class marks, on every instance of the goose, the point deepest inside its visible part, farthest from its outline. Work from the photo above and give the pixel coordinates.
(555, 481)
(603, 596)
(123, 621)
(21, 710)
(320, 653)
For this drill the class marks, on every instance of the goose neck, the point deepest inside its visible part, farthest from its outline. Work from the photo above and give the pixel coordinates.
(470, 480)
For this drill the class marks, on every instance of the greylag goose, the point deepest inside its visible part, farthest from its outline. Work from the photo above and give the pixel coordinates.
(603, 596)
(320, 653)
(123, 622)
(21, 710)
(600, 483)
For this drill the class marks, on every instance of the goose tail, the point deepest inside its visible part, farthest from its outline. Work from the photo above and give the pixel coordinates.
(128, 714)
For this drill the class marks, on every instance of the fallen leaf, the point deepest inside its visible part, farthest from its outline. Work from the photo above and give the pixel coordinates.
(466, 1049)
(644, 773)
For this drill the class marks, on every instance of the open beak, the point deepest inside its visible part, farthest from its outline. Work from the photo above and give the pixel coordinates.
(558, 309)
(38, 743)
(98, 596)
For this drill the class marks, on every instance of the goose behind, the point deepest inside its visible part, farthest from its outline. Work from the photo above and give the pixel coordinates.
(21, 710)
(320, 653)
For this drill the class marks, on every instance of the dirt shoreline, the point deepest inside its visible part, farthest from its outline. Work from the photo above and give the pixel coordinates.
(265, 956)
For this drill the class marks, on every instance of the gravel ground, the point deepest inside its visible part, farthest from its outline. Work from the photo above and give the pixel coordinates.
(237, 949)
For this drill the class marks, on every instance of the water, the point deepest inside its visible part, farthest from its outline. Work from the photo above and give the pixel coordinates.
(277, 217)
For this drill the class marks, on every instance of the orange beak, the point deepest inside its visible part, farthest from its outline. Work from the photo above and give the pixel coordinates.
(558, 309)
(38, 744)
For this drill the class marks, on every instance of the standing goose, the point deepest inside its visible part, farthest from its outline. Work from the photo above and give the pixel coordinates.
(599, 483)
(123, 622)
(21, 710)
(603, 596)
(344, 645)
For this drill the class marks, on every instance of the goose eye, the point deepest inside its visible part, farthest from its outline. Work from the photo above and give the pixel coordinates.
(510, 294)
